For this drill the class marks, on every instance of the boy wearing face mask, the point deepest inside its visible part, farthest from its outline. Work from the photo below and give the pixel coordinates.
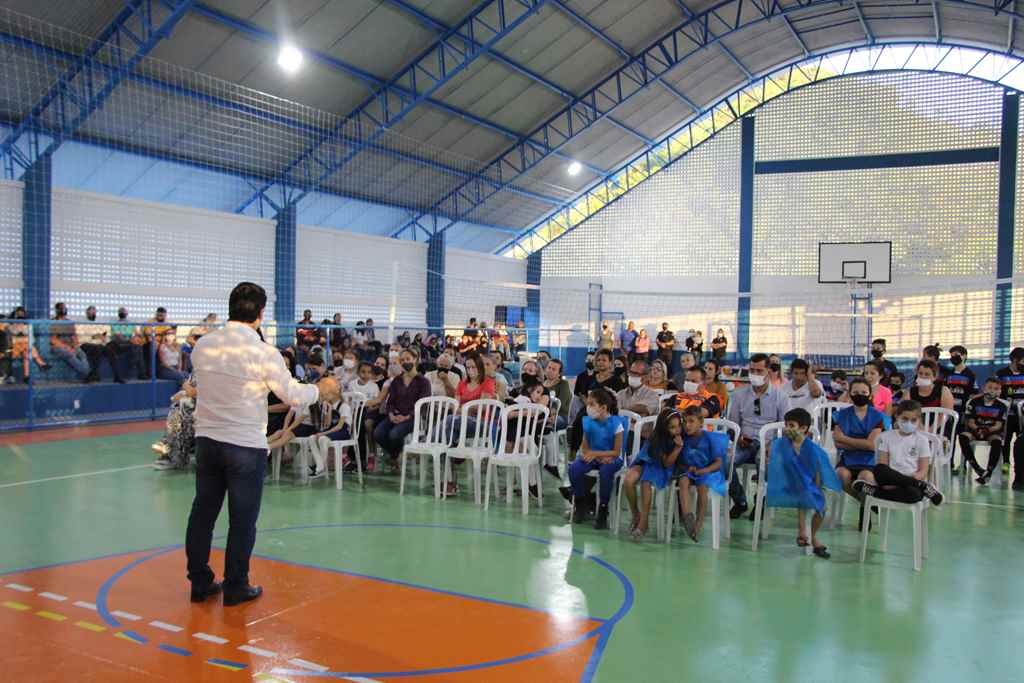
(1012, 379)
(798, 472)
(837, 385)
(637, 397)
(903, 457)
(878, 354)
(960, 379)
(896, 383)
(346, 371)
(984, 420)
(695, 393)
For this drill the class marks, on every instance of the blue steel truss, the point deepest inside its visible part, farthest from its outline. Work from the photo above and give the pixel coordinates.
(966, 61)
(448, 56)
(697, 33)
(92, 77)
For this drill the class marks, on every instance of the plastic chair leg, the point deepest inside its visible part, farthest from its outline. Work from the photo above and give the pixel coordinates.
(671, 510)
(509, 485)
(617, 507)
(716, 512)
(883, 519)
(436, 459)
(401, 484)
(806, 531)
(540, 486)
(337, 465)
(758, 516)
(864, 531)
(916, 513)
(487, 486)
(524, 486)
(924, 533)
(276, 464)
(359, 463)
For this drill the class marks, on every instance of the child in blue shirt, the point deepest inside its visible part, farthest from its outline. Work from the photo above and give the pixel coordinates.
(603, 439)
(701, 465)
(854, 432)
(798, 472)
(653, 468)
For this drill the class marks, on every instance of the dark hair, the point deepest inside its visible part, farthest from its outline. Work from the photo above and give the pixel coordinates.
(604, 352)
(931, 365)
(799, 364)
(693, 411)
(1017, 353)
(839, 375)
(477, 360)
(798, 415)
(877, 365)
(932, 351)
(161, 309)
(699, 368)
(561, 365)
(759, 358)
(859, 380)
(661, 442)
(906, 406)
(994, 379)
(897, 374)
(316, 358)
(603, 397)
(246, 302)
(364, 364)
(958, 348)
(879, 342)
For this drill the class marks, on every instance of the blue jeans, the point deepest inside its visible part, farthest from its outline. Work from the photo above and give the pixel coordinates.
(391, 436)
(744, 455)
(164, 372)
(581, 483)
(237, 471)
(76, 359)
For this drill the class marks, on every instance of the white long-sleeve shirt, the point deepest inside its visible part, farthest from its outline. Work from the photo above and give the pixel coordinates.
(235, 371)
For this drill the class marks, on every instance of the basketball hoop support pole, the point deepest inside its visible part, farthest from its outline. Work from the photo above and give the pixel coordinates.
(860, 293)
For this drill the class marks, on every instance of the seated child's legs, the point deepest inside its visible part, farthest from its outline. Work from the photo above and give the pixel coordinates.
(607, 479)
(581, 483)
(629, 486)
(895, 486)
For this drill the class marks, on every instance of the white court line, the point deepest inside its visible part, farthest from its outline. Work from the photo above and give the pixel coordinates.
(53, 596)
(207, 637)
(74, 476)
(127, 615)
(312, 666)
(257, 651)
(85, 605)
(18, 587)
(166, 627)
(987, 505)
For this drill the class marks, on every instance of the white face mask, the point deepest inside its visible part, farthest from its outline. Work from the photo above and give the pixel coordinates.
(348, 363)
(592, 413)
(757, 380)
(635, 381)
(690, 387)
(393, 354)
(924, 382)
(907, 427)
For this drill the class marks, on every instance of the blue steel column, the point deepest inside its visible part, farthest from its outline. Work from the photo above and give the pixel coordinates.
(1007, 203)
(533, 264)
(285, 238)
(435, 284)
(36, 231)
(746, 264)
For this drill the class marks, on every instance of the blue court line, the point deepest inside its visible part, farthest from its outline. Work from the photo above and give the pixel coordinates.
(142, 640)
(602, 632)
(175, 650)
(226, 662)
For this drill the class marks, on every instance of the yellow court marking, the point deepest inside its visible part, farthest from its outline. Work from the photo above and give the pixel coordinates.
(16, 605)
(88, 626)
(224, 666)
(128, 638)
(52, 616)
(267, 678)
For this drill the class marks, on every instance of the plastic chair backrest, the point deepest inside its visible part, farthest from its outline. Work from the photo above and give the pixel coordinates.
(554, 407)
(575, 407)
(432, 414)
(357, 402)
(529, 427)
(638, 428)
(939, 421)
(668, 399)
(823, 415)
(766, 435)
(488, 428)
(730, 429)
(633, 419)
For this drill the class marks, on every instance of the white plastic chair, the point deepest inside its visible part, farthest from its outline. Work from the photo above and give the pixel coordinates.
(524, 453)
(357, 402)
(939, 421)
(300, 462)
(918, 512)
(429, 437)
(822, 419)
(637, 427)
(553, 439)
(481, 436)
(617, 484)
(997, 473)
(719, 512)
(767, 435)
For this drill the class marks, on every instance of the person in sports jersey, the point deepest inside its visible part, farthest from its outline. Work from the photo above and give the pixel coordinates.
(960, 379)
(984, 421)
(1012, 379)
(878, 354)
(928, 389)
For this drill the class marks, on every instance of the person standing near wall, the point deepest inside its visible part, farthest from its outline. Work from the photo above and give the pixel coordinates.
(666, 342)
(234, 370)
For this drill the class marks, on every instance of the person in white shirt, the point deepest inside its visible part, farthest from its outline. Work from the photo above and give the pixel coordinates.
(902, 458)
(443, 377)
(346, 372)
(234, 370)
(801, 390)
(94, 339)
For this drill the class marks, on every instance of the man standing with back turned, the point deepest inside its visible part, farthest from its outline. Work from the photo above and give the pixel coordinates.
(234, 369)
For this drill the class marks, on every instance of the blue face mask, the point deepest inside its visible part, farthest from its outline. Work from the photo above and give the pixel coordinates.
(907, 427)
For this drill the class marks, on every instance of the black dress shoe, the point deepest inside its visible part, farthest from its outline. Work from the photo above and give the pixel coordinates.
(737, 511)
(237, 597)
(202, 593)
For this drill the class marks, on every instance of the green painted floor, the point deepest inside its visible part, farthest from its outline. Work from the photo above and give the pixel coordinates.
(697, 614)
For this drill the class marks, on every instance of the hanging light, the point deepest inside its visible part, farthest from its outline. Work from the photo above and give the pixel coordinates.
(575, 168)
(290, 58)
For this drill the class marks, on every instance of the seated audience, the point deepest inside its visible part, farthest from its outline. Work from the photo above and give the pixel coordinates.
(702, 465)
(64, 343)
(501, 384)
(855, 431)
(928, 390)
(601, 450)
(348, 371)
(881, 395)
(897, 385)
(584, 379)
(714, 383)
(400, 407)
(653, 468)
(556, 384)
(657, 378)
(984, 420)
(151, 333)
(695, 393)
(960, 379)
(128, 340)
(686, 361)
(443, 379)
(836, 386)
(169, 358)
(802, 390)
(636, 397)
(94, 338)
(798, 473)
(604, 377)
(775, 370)
(903, 456)
(519, 338)
(878, 348)
(329, 419)
(19, 347)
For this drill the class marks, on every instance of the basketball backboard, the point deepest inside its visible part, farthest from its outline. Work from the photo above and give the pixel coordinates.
(862, 262)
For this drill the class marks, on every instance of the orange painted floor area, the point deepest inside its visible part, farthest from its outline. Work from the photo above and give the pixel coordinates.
(309, 619)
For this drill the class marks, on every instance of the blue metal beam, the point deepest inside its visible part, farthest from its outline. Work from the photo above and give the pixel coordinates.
(514, 66)
(449, 56)
(255, 32)
(81, 90)
(796, 36)
(688, 13)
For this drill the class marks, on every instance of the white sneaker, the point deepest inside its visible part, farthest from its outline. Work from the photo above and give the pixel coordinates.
(161, 448)
(163, 464)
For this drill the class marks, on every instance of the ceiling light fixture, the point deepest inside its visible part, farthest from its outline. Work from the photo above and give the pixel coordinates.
(289, 59)
(575, 168)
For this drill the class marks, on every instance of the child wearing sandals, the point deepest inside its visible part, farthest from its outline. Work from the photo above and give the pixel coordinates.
(701, 464)
(903, 455)
(324, 421)
(799, 471)
(653, 468)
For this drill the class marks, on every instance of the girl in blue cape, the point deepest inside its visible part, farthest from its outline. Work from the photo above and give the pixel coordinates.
(653, 468)
(798, 472)
(701, 464)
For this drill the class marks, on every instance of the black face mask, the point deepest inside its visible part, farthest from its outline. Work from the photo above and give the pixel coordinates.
(775, 367)
(957, 359)
(860, 400)
(877, 353)
(895, 386)
(590, 365)
(408, 367)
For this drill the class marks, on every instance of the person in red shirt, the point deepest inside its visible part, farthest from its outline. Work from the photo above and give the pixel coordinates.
(475, 386)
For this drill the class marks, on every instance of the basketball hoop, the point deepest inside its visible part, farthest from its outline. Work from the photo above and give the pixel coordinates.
(857, 287)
